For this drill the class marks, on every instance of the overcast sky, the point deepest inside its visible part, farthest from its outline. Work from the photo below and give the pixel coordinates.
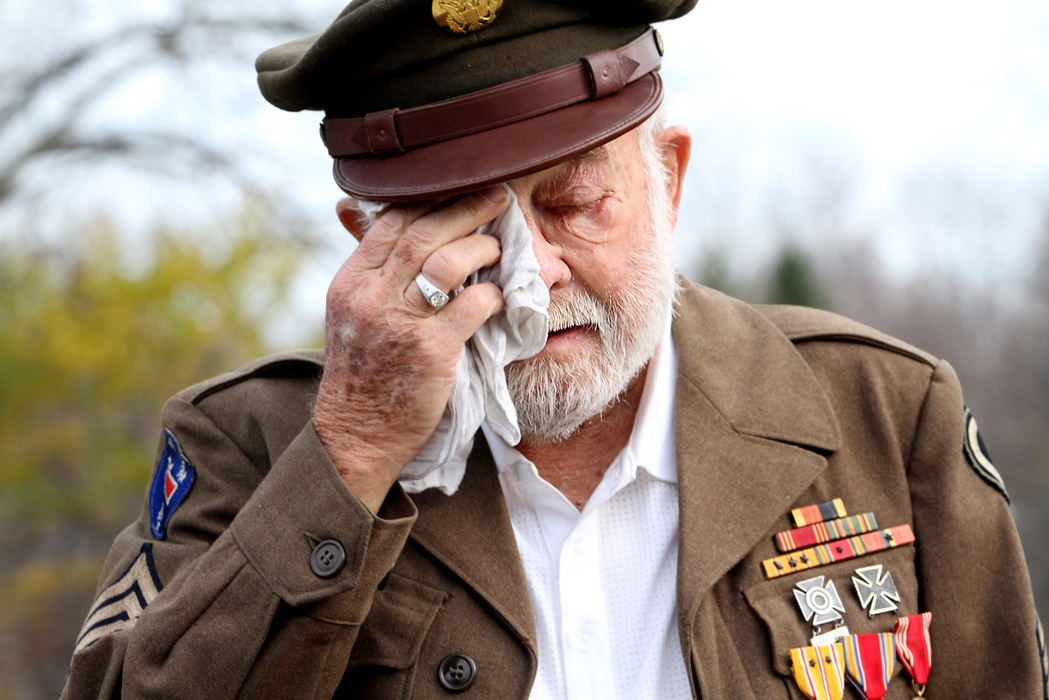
(899, 103)
(921, 128)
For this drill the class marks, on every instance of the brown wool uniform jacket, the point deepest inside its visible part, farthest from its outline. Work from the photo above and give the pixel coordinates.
(776, 408)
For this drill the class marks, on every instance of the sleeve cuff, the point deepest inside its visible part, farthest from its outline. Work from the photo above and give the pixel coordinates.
(303, 501)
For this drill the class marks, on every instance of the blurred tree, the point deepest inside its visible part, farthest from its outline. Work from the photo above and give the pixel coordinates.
(712, 270)
(51, 92)
(99, 326)
(792, 280)
(1000, 350)
(146, 114)
(90, 347)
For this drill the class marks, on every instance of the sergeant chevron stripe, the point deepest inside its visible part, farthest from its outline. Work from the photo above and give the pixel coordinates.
(817, 533)
(838, 550)
(120, 604)
(1040, 635)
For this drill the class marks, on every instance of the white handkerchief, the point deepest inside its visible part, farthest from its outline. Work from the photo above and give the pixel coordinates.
(479, 392)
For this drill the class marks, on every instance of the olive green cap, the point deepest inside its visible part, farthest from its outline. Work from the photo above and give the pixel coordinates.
(385, 56)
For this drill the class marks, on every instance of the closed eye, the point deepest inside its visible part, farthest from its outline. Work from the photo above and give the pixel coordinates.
(569, 327)
(568, 209)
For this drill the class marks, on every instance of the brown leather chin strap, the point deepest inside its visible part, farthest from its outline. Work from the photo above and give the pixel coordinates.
(395, 131)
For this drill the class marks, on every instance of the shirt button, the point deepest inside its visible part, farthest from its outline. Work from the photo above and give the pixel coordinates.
(457, 672)
(327, 558)
(583, 639)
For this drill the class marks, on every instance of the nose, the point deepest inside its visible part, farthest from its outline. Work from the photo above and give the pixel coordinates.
(553, 269)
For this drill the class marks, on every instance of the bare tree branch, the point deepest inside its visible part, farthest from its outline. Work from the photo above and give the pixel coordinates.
(163, 40)
(84, 81)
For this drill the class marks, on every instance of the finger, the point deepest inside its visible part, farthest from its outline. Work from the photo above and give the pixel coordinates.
(377, 236)
(456, 219)
(449, 266)
(466, 312)
(352, 218)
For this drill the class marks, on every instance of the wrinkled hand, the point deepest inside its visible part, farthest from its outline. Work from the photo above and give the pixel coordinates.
(389, 356)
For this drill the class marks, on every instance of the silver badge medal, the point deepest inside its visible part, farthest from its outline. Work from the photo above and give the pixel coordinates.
(820, 604)
(876, 591)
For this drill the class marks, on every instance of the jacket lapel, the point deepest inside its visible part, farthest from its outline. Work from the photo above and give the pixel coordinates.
(752, 426)
(470, 533)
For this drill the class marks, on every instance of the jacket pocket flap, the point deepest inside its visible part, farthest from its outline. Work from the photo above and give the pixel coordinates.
(397, 623)
(776, 604)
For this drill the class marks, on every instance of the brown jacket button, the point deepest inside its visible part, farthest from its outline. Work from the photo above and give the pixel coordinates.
(457, 672)
(327, 558)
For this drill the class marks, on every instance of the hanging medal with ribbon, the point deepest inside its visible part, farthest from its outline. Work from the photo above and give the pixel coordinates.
(819, 671)
(914, 647)
(820, 604)
(870, 662)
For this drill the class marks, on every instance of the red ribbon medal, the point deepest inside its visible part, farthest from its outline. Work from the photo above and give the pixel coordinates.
(870, 661)
(914, 647)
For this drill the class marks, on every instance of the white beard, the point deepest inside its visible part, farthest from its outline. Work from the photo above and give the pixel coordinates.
(554, 398)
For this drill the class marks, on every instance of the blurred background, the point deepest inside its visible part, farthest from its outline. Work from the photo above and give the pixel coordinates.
(160, 223)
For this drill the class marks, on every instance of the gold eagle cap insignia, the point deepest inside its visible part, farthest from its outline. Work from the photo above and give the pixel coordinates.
(465, 16)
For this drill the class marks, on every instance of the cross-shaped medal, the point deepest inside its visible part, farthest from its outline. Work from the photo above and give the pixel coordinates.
(877, 592)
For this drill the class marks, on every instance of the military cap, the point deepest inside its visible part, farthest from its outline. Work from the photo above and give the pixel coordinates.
(424, 99)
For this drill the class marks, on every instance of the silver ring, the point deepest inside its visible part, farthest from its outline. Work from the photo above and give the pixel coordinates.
(434, 296)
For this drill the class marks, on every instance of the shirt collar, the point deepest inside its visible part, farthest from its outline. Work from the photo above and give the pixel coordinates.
(651, 444)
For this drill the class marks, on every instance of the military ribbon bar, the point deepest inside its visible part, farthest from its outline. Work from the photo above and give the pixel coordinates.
(870, 661)
(818, 533)
(817, 513)
(914, 647)
(838, 550)
(819, 671)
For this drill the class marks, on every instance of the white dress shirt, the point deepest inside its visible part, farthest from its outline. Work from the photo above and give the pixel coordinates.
(602, 581)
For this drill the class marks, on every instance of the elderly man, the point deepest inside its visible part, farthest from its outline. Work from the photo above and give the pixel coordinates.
(707, 498)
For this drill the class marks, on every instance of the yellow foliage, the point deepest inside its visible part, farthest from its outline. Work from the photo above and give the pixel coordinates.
(29, 591)
(91, 347)
(92, 341)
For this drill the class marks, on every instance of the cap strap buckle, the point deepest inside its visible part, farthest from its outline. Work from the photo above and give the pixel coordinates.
(380, 129)
(609, 72)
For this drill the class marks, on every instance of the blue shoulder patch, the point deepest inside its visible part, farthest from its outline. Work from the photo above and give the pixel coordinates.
(171, 482)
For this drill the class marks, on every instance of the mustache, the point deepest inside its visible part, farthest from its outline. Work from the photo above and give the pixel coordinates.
(577, 308)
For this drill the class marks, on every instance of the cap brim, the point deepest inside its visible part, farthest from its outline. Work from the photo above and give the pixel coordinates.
(504, 153)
